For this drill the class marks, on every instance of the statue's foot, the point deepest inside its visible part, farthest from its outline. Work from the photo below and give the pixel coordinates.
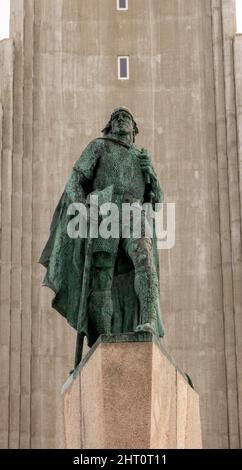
(145, 328)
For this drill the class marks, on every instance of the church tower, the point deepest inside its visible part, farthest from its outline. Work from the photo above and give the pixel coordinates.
(177, 65)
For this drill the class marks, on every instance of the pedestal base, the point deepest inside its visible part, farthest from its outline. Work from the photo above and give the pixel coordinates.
(128, 393)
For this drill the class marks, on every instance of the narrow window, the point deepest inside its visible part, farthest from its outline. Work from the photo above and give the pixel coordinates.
(122, 4)
(239, 16)
(4, 19)
(123, 67)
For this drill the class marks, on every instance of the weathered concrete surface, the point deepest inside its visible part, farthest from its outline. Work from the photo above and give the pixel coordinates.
(228, 191)
(181, 90)
(238, 84)
(238, 118)
(6, 111)
(129, 395)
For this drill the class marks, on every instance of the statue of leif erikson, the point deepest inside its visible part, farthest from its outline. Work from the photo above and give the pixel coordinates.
(107, 280)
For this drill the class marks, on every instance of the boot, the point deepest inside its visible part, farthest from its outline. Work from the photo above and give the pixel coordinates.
(100, 311)
(146, 288)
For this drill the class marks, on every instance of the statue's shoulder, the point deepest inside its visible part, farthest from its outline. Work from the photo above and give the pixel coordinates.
(99, 141)
(89, 156)
(94, 144)
(92, 150)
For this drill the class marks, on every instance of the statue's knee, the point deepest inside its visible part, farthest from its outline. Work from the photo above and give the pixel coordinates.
(103, 260)
(140, 251)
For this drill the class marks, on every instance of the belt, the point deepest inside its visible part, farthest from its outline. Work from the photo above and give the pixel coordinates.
(126, 197)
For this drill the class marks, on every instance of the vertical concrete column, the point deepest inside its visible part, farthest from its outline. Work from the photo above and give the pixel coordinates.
(16, 231)
(224, 27)
(26, 248)
(6, 98)
(238, 87)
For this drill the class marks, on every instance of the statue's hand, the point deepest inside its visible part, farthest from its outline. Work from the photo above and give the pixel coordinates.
(155, 192)
(145, 163)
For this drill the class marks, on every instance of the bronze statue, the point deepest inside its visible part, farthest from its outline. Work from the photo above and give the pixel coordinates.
(107, 285)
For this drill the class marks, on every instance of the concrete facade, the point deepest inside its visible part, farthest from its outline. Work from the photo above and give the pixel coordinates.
(58, 85)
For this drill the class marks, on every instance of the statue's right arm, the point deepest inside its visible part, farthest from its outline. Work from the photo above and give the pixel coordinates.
(82, 173)
(74, 187)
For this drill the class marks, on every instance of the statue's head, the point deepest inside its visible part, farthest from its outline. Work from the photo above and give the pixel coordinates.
(121, 122)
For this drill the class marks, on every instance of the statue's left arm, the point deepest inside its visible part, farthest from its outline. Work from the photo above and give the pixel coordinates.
(154, 192)
(157, 195)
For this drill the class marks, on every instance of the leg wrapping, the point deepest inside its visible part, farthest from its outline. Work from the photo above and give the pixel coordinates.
(101, 310)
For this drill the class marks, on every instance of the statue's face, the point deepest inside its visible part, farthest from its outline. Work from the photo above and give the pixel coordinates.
(122, 123)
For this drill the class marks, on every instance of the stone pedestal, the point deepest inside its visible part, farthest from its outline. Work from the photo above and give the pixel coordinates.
(129, 394)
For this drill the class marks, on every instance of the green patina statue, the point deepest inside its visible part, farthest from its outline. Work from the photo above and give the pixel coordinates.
(106, 285)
